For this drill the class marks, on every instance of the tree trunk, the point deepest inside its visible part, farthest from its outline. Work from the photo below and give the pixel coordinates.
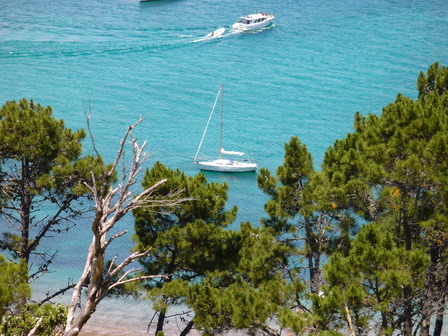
(424, 331)
(187, 329)
(25, 213)
(427, 309)
(111, 205)
(407, 290)
(349, 321)
(438, 326)
(384, 323)
(407, 312)
(313, 261)
(94, 268)
(160, 321)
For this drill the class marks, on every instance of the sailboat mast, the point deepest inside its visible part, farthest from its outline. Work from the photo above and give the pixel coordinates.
(220, 121)
(206, 126)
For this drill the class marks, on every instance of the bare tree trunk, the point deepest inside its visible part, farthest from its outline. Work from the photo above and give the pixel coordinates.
(429, 301)
(349, 321)
(427, 309)
(424, 328)
(111, 204)
(95, 292)
(407, 312)
(36, 326)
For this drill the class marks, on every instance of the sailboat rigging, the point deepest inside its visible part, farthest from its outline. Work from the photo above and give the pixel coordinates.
(222, 164)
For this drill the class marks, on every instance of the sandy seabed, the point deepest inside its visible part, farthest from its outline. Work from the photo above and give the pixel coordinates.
(103, 326)
(129, 317)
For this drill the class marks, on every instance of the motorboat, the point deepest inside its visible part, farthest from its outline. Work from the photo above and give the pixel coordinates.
(253, 21)
(216, 33)
(222, 164)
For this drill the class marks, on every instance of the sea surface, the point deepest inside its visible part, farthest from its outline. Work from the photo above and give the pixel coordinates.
(121, 60)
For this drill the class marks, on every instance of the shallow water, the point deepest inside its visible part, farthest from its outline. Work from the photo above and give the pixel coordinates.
(305, 76)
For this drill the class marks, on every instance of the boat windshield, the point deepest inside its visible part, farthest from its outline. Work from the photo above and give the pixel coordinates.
(244, 21)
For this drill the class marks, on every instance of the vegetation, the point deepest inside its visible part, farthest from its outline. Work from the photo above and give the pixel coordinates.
(358, 247)
(187, 241)
(35, 319)
(393, 172)
(303, 212)
(41, 168)
(13, 286)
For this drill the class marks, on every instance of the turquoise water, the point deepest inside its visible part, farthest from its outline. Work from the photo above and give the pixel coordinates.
(306, 76)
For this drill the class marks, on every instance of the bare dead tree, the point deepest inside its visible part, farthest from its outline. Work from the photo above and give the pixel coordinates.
(111, 204)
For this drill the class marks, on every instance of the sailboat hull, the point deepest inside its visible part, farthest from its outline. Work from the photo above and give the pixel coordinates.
(227, 166)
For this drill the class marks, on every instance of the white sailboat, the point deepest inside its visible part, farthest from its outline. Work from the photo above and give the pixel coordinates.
(223, 164)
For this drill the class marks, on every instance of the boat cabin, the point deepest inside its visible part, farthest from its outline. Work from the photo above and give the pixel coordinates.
(253, 21)
(253, 18)
(246, 21)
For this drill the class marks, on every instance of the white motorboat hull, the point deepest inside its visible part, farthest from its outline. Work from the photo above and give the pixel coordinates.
(253, 26)
(227, 166)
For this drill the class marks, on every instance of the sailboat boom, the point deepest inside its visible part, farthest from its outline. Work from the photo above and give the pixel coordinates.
(223, 151)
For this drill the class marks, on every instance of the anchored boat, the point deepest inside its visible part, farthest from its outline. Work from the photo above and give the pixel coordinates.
(222, 164)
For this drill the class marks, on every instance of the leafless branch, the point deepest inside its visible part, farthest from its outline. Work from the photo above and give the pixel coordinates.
(111, 204)
(38, 323)
(115, 236)
(59, 292)
(140, 278)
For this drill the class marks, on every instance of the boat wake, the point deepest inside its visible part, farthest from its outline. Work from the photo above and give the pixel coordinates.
(219, 33)
(89, 48)
(213, 35)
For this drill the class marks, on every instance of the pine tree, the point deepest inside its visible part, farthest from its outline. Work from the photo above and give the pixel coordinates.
(393, 170)
(187, 241)
(42, 171)
(304, 211)
(368, 283)
(253, 296)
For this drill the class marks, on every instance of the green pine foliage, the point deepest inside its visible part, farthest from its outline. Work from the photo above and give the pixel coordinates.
(14, 288)
(37, 144)
(229, 279)
(369, 282)
(187, 241)
(42, 170)
(253, 296)
(17, 318)
(304, 211)
(393, 172)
